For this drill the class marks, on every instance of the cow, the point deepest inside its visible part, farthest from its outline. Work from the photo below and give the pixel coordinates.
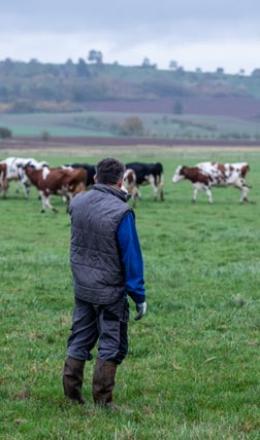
(15, 172)
(90, 171)
(206, 175)
(138, 173)
(63, 182)
(130, 185)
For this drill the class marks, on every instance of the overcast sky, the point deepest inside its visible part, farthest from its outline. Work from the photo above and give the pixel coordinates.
(196, 33)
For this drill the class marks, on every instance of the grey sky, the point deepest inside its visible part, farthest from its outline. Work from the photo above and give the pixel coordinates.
(201, 33)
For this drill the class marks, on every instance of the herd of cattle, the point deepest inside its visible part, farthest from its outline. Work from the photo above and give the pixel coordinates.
(69, 179)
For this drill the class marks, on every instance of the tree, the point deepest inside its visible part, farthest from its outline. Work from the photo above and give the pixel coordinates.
(178, 108)
(33, 61)
(180, 70)
(68, 68)
(147, 63)
(220, 71)
(45, 136)
(5, 133)
(173, 65)
(95, 56)
(82, 68)
(132, 126)
(256, 73)
(8, 66)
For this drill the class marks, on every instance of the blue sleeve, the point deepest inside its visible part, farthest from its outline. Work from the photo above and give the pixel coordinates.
(132, 259)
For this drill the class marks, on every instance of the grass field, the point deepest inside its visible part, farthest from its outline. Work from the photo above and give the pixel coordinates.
(193, 367)
(107, 124)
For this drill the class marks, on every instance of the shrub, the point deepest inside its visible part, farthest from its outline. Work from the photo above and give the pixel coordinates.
(45, 136)
(5, 133)
(132, 126)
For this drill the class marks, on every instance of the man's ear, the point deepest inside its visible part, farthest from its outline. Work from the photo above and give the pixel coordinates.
(119, 183)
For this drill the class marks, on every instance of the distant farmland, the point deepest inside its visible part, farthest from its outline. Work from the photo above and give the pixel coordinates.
(116, 125)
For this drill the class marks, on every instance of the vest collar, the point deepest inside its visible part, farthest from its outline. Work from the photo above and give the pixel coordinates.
(111, 190)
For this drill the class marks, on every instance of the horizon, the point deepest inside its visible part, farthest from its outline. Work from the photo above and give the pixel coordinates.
(154, 64)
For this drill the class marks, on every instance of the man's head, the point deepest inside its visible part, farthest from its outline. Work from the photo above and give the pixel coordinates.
(110, 172)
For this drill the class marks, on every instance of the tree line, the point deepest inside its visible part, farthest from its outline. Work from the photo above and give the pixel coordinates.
(34, 85)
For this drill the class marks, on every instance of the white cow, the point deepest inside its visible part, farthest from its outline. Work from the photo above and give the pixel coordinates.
(15, 172)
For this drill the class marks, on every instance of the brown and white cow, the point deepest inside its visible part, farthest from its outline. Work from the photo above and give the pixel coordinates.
(63, 182)
(205, 175)
(130, 186)
(138, 173)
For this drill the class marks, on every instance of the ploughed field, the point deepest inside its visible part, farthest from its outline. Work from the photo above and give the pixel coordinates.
(193, 367)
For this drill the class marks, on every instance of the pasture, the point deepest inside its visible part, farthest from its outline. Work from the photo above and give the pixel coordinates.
(193, 367)
(110, 123)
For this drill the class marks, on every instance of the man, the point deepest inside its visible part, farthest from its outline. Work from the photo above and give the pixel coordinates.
(106, 263)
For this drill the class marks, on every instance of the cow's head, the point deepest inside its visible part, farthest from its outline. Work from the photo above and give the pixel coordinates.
(179, 174)
(129, 180)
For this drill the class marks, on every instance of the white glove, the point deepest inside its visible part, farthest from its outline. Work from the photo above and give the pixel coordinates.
(141, 309)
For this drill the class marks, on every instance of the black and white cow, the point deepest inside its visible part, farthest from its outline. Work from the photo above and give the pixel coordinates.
(138, 173)
(205, 175)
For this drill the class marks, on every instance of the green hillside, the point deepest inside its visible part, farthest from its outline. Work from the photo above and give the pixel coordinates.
(36, 86)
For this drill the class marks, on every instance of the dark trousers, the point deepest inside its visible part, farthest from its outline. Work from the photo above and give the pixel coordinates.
(106, 324)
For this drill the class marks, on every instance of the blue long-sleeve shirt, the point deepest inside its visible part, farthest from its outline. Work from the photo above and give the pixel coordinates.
(132, 259)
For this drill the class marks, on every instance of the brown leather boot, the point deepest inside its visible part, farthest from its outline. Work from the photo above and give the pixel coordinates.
(73, 379)
(103, 382)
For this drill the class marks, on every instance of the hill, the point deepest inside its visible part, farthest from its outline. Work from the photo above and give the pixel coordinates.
(36, 86)
(80, 99)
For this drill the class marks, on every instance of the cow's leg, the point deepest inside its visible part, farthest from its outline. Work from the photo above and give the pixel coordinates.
(152, 182)
(133, 201)
(244, 194)
(43, 200)
(244, 190)
(25, 188)
(4, 187)
(161, 187)
(194, 193)
(134, 195)
(134, 192)
(69, 197)
(46, 204)
(209, 194)
(49, 205)
(161, 194)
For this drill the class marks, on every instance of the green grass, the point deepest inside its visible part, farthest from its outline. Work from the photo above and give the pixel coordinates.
(193, 367)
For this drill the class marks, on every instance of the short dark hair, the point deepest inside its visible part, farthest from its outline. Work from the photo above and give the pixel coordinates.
(110, 171)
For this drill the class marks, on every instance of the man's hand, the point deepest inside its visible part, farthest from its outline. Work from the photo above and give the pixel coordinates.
(141, 310)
